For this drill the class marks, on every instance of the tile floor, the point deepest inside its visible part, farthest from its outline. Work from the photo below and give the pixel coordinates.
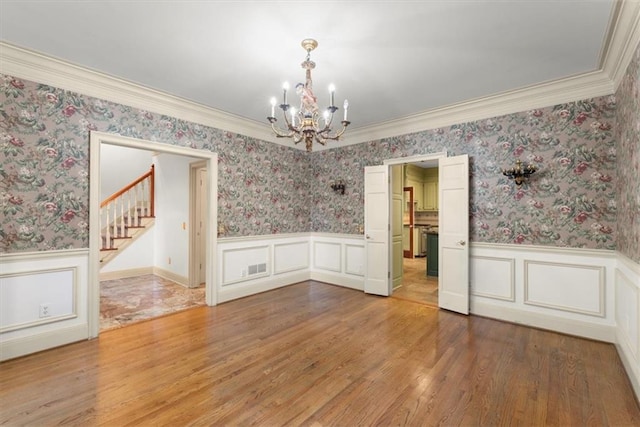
(416, 286)
(134, 299)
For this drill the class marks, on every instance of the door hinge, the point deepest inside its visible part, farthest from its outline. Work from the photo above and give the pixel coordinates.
(388, 275)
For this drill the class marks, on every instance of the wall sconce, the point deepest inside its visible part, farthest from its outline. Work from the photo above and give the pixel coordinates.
(338, 186)
(518, 173)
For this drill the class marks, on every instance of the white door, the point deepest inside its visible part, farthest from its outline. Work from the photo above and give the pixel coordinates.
(377, 278)
(453, 243)
(201, 226)
(397, 193)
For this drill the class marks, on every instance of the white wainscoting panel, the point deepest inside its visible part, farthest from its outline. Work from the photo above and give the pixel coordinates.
(338, 259)
(289, 257)
(57, 279)
(24, 296)
(354, 259)
(562, 289)
(567, 287)
(327, 256)
(236, 262)
(493, 277)
(627, 305)
(250, 265)
(627, 309)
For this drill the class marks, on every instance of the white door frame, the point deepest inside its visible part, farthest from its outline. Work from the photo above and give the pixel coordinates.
(195, 255)
(412, 159)
(96, 139)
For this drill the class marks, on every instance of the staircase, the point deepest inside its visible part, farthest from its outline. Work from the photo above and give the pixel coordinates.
(126, 215)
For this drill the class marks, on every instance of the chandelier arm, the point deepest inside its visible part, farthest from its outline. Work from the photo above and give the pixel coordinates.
(281, 133)
(321, 139)
(339, 133)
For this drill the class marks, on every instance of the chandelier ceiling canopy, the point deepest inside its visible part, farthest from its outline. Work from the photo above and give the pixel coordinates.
(307, 123)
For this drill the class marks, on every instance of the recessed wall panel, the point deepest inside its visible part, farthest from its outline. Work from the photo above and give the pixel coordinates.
(327, 256)
(354, 259)
(568, 287)
(492, 277)
(290, 257)
(34, 298)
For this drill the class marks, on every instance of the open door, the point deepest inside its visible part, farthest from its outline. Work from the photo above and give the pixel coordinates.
(377, 278)
(454, 234)
(397, 209)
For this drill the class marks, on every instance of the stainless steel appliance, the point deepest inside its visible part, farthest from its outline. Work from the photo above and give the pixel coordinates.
(422, 246)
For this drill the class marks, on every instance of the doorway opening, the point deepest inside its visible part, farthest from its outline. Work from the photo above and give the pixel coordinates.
(174, 221)
(414, 207)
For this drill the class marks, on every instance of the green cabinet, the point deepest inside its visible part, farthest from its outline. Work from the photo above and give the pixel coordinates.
(432, 254)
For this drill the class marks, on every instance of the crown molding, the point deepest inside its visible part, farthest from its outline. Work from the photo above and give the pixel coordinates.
(30, 65)
(623, 42)
(618, 52)
(543, 95)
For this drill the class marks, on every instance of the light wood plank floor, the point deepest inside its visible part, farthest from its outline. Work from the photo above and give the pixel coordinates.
(319, 355)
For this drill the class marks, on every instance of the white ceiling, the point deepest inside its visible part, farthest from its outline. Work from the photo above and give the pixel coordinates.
(391, 59)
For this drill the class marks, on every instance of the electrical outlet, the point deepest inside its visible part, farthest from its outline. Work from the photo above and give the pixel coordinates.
(45, 310)
(243, 272)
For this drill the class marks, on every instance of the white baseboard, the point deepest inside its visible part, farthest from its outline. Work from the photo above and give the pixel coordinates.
(338, 279)
(169, 275)
(579, 328)
(22, 346)
(123, 274)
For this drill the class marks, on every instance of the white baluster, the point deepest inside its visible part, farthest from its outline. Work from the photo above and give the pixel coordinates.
(129, 213)
(107, 234)
(135, 204)
(122, 228)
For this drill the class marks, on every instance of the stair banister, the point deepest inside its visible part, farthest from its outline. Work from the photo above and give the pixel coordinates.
(118, 212)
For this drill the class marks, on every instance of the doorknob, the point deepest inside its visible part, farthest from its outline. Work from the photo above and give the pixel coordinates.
(462, 243)
(368, 237)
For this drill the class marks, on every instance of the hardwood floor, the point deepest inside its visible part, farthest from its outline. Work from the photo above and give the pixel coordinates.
(416, 285)
(320, 355)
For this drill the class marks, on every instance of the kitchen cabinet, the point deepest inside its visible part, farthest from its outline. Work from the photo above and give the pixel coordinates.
(430, 190)
(414, 178)
(432, 254)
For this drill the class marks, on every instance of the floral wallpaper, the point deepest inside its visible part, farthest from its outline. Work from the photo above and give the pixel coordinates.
(44, 131)
(266, 188)
(569, 202)
(628, 164)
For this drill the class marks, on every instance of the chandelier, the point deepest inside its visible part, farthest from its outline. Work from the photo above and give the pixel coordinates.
(307, 123)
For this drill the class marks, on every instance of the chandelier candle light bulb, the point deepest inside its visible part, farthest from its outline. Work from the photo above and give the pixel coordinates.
(285, 88)
(305, 123)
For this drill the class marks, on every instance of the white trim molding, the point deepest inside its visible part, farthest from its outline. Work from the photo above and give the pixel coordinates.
(67, 321)
(623, 39)
(566, 290)
(627, 316)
